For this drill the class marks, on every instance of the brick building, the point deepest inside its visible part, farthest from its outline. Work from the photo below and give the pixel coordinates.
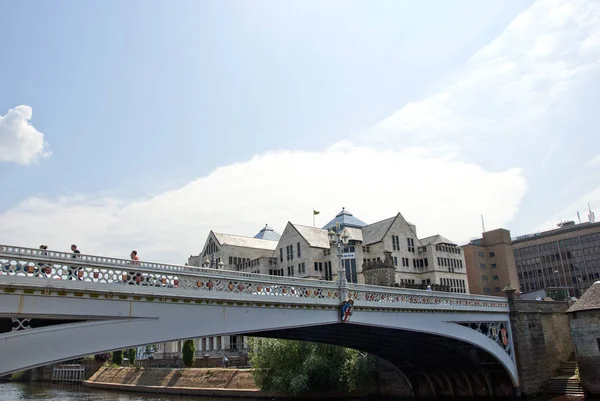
(491, 263)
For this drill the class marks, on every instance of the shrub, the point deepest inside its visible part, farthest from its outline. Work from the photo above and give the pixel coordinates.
(103, 357)
(131, 354)
(296, 367)
(189, 353)
(117, 357)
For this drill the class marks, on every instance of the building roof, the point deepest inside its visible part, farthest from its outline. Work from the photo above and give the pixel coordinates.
(435, 239)
(561, 230)
(354, 233)
(375, 232)
(245, 242)
(346, 219)
(268, 233)
(316, 237)
(590, 300)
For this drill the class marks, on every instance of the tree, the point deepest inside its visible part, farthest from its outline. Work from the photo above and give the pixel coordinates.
(117, 357)
(296, 367)
(189, 353)
(131, 354)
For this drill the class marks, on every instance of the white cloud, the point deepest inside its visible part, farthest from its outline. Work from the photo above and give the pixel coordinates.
(506, 91)
(595, 161)
(435, 193)
(412, 162)
(20, 142)
(591, 198)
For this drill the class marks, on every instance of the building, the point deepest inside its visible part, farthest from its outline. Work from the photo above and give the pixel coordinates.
(306, 252)
(237, 252)
(584, 316)
(556, 263)
(567, 257)
(491, 263)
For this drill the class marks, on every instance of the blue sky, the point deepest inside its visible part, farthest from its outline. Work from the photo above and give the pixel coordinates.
(163, 120)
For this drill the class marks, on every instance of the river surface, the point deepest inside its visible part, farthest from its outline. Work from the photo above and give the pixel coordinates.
(67, 392)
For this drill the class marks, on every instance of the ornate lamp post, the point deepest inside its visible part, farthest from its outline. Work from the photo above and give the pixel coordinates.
(340, 240)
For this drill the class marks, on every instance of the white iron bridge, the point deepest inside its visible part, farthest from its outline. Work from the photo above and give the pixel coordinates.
(58, 306)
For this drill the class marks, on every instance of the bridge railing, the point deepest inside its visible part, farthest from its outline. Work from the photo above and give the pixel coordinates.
(402, 297)
(37, 264)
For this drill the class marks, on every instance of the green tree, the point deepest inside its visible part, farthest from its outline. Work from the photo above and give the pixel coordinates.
(131, 353)
(297, 367)
(117, 357)
(189, 353)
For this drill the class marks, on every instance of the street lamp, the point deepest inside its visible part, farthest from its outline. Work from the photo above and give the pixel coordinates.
(340, 239)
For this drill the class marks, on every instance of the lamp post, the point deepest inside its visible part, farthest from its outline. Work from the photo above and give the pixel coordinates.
(340, 240)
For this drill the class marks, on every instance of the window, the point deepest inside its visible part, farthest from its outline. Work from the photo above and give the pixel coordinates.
(411, 244)
(481, 254)
(395, 261)
(395, 243)
(290, 270)
(405, 262)
(495, 278)
(492, 254)
(486, 290)
(484, 278)
(497, 289)
(281, 254)
(482, 265)
(493, 265)
(298, 245)
(316, 266)
(426, 263)
(301, 268)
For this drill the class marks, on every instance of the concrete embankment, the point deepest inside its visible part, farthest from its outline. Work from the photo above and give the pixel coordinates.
(199, 382)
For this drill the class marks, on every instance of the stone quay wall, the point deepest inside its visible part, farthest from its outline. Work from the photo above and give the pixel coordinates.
(542, 341)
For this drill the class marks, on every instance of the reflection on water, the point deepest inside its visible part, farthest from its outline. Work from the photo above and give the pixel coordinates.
(68, 392)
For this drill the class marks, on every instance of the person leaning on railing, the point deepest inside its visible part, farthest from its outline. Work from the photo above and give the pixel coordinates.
(134, 277)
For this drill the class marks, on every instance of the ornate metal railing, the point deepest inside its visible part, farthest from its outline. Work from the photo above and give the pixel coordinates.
(37, 264)
(49, 265)
(367, 294)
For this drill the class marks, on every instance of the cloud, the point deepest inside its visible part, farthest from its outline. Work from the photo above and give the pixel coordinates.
(435, 193)
(430, 160)
(595, 161)
(570, 212)
(505, 93)
(20, 142)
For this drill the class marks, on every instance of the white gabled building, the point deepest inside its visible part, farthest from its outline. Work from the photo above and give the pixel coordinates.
(302, 251)
(236, 252)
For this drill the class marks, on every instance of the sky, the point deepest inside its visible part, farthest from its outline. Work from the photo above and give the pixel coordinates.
(146, 124)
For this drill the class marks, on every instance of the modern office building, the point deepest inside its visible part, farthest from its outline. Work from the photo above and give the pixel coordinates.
(491, 263)
(560, 261)
(567, 257)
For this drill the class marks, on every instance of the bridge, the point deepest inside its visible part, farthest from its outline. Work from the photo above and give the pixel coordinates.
(58, 306)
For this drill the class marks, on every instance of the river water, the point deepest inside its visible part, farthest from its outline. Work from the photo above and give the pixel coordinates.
(67, 392)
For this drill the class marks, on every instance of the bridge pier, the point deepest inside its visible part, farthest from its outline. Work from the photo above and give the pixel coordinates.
(542, 341)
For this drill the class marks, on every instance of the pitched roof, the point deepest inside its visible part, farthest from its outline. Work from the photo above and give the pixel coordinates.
(354, 233)
(245, 242)
(268, 233)
(435, 239)
(346, 219)
(316, 237)
(590, 300)
(375, 232)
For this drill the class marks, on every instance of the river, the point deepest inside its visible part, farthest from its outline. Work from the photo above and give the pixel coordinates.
(10, 391)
